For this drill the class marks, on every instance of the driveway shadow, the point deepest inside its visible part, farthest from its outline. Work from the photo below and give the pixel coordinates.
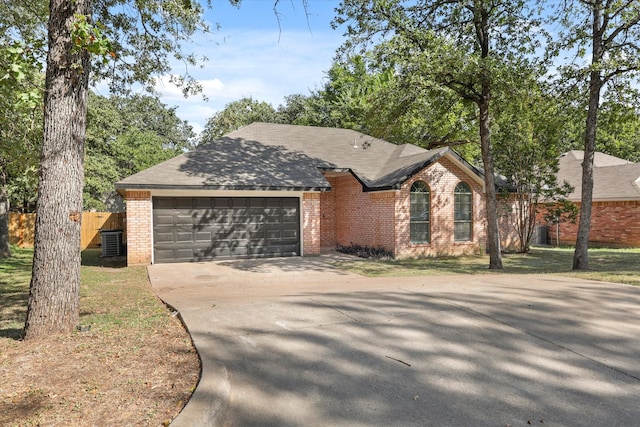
(484, 351)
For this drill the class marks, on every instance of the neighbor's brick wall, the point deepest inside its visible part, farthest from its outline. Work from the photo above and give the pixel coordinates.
(311, 223)
(358, 218)
(615, 224)
(442, 178)
(139, 211)
(509, 236)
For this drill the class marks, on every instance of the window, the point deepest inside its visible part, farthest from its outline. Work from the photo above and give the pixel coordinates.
(462, 213)
(420, 213)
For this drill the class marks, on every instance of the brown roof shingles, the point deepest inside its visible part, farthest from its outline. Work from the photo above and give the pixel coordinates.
(286, 157)
(614, 178)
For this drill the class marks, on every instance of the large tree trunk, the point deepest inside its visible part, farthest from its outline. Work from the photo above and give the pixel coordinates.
(493, 232)
(481, 24)
(55, 283)
(581, 254)
(5, 249)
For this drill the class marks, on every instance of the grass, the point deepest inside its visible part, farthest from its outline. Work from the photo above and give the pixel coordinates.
(133, 363)
(106, 300)
(610, 265)
(15, 274)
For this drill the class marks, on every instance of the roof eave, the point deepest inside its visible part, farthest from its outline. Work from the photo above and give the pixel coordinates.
(121, 188)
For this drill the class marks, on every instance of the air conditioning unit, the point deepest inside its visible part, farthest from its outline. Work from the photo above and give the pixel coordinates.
(111, 243)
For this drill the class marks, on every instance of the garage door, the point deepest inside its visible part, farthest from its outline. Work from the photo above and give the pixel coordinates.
(205, 228)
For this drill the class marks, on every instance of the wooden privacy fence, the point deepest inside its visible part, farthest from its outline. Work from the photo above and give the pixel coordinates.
(22, 226)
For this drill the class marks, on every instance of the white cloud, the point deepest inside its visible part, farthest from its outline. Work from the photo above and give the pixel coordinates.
(266, 65)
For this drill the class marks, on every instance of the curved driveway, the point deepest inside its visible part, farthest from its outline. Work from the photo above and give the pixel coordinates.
(295, 342)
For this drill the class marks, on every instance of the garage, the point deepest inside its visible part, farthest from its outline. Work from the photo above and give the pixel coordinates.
(190, 229)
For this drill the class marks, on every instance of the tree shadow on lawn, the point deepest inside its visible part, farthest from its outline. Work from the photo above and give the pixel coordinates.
(14, 292)
(619, 262)
(15, 273)
(94, 258)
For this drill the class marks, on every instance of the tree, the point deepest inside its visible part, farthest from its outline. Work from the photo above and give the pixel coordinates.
(364, 94)
(294, 111)
(527, 130)
(237, 114)
(460, 46)
(141, 36)
(619, 128)
(126, 134)
(618, 121)
(20, 125)
(612, 31)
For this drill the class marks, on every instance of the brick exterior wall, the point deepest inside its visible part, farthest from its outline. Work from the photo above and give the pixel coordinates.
(311, 224)
(328, 218)
(358, 218)
(381, 219)
(139, 232)
(507, 224)
(442, 178)
(615, 224)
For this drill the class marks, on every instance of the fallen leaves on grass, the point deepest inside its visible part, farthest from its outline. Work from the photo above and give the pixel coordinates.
(96, 378)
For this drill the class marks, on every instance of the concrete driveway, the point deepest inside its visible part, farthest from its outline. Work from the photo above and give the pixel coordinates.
(294, 342)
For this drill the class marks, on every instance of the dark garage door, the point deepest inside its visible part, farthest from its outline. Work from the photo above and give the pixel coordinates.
(205, 228)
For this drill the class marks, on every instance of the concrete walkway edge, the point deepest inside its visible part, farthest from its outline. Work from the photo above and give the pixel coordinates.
(207, 404)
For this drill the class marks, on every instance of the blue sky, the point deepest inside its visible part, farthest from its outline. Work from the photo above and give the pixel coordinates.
(254, 55)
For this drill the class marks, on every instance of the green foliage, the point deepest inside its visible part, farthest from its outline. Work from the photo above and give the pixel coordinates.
(619, 129)
(21, 86)
(126, 134)
(146, 38)
(89, 37)
(365, 95)
(527, 130)
(236, 115)
(295, 111)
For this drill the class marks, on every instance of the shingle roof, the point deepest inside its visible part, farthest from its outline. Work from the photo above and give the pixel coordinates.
(613, 178)
(288, 157)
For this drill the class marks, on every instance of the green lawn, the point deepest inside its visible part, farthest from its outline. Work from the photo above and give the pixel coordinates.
(612, 265)
(133, 363)
(15, 273)
(111, 295)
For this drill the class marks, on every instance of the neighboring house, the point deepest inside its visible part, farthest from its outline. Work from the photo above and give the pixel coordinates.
(285, 190)
(615, 216)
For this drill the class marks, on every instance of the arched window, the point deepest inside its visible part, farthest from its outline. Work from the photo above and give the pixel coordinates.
(463, 213)
(420, 213)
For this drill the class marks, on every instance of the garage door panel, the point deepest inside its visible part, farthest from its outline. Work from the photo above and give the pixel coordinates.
(290, 234)
(203, 203)
(163, 203)
(163, 237)
(202, 237)
(200, 229)
(183, 203)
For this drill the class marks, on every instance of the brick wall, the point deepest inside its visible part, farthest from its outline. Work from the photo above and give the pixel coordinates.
(139, 211)
(311, 223)
(328, 219)
(615, 224)
(507, 224)
(442, 178)
(358, 218)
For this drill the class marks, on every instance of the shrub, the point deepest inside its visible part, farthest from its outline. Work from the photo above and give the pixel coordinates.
(365, 251)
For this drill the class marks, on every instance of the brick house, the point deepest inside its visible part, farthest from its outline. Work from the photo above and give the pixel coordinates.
(285, 190)
(615, 215)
